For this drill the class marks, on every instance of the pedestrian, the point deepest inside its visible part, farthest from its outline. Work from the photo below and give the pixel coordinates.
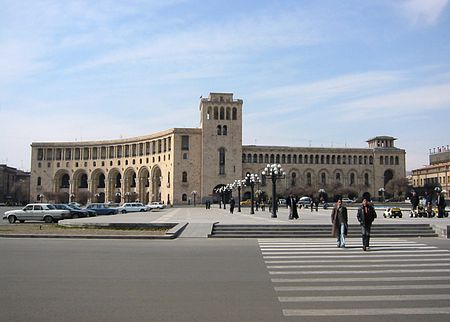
(316, 203)
(311, 205)
(429, 204)
(263, 205)
(292, 206)
(441, 204)
(366, 215)
(414, 204)
(232, 203)
(257, 205)
(339, 219)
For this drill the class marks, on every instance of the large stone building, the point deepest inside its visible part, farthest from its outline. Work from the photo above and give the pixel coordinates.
(14, 185)
(173, 165)
(437, 173)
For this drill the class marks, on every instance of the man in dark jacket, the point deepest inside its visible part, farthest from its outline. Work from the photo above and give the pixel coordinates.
(291, 203)
(414, 204)
(366, 215)
(440, 203)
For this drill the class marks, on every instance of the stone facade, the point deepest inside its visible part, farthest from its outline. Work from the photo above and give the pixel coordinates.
(437, 173)
(172, 165)
(14, 185)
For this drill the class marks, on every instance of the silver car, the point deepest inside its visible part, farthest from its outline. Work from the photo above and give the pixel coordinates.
(37, 211)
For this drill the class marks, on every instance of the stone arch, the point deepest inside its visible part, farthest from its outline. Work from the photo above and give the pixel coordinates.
(155, 191)
(114, 185)
(352, 176)
(143, 184)
(62, 180)
(323, 177)
(388, 176)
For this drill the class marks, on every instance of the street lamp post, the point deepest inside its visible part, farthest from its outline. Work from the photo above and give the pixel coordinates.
(274, 172)
(238, 184)
(250, 180)
(194, 194)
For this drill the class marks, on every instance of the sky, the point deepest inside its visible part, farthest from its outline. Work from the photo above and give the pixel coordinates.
(311, 73)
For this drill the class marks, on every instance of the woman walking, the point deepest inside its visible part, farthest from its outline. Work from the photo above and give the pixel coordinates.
(339, 219)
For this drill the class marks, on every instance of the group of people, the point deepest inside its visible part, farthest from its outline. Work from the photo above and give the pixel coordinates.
(339, 218)
(428, 204)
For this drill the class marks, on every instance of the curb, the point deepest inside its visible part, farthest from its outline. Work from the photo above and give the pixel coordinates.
(171, 234)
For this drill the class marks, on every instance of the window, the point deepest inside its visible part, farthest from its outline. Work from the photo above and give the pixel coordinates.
(83, 181)
(293, 179)
(228, 113)
(184, 176)
(216, 113)
(352, 179)
(308, 179)
(39, 181)
(219, 130)
(222, 113)
(40, 155)
(323, 179)
(184, 197)
(338, 177)
(366, 180)
(396, 161)
(222, 161)
(381, 160)
(224, 130)
(185, 156)
(119, 151)
(234, 113)
(185, 142)
(68, 154)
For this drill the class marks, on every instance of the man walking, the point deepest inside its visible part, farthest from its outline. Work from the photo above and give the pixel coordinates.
(339, 219)
(232, 203)
(292, 205)
(366, 215)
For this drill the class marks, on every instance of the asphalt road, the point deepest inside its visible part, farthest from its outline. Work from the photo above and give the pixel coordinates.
(112, 280)
(224, 280)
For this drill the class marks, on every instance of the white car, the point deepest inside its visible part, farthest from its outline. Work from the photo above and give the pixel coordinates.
(347, 200)
(38, 211)
(132, 207)
(156, 205)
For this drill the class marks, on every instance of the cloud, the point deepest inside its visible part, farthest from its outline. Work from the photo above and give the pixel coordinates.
(406, 102)
(302, 96)
(423, 12)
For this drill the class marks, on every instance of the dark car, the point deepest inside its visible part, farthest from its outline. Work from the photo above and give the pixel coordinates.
(102, 209)
(74, 213)
(90, 212)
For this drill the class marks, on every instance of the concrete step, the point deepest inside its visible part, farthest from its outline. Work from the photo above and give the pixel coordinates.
(298, 231)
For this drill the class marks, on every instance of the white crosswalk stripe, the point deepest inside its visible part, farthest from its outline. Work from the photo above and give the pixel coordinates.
(396, 277)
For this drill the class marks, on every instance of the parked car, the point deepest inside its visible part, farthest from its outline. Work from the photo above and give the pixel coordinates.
(282, 202)
(347, 201)
(102, 209)
(304, 202)
(76, 212)
(90, 212)
(39, 211)
(132, 207)
(393, 212)
(247, 202)
(156, 205)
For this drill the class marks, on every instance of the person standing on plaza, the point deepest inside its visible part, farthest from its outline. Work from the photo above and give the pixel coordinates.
(339, 219)
(428, 204)
(232, 203)
(366, 215)
(440, 203)
(291, 202)
(414, 204)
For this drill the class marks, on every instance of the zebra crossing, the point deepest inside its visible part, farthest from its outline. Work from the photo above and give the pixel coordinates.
(315, 279)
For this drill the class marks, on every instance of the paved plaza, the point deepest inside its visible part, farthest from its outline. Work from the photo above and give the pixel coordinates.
(201, 220)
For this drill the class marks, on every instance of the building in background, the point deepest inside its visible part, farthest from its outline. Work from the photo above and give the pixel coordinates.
(437, 173)
(14, 186)
(173, 165)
